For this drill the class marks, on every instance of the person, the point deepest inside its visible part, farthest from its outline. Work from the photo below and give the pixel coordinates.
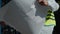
(28, 16)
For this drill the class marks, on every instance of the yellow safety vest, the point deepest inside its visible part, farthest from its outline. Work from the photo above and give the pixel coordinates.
(50, 19)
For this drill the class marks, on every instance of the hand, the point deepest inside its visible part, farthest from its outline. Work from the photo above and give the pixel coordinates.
(43, 2)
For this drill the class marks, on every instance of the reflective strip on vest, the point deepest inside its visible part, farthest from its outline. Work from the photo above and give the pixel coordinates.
(50, 19)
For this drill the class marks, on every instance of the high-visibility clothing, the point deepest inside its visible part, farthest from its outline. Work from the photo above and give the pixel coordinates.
(50, 19)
